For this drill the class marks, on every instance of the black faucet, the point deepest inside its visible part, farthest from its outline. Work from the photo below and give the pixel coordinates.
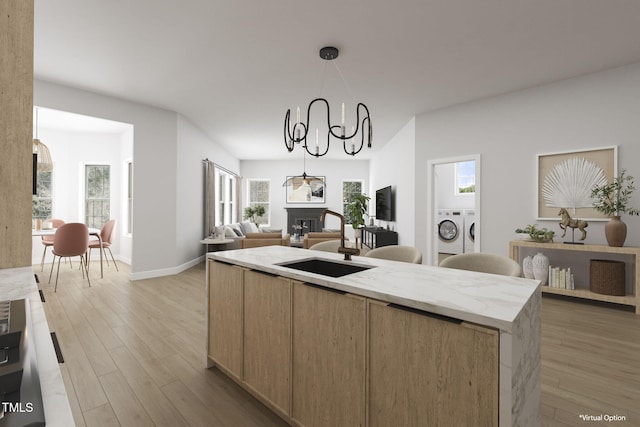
(342, 249)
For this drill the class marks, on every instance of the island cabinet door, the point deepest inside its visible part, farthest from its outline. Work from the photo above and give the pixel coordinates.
(225, 317)
(426, 370)
(329, 342)
(267, 338)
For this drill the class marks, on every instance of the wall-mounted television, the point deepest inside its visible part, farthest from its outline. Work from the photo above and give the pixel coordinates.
(385, 204)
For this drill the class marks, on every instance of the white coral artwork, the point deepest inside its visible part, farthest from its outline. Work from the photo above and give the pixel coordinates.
(569, 184)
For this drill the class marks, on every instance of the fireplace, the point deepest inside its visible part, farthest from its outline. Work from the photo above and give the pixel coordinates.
(308, 219)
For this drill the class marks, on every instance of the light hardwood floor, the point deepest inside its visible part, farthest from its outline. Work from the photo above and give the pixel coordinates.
(135, 355)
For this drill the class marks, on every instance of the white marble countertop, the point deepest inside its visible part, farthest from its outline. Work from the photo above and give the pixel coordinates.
(486, 299)
(19, 283)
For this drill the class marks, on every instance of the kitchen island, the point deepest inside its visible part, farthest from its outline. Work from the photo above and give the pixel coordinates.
(395, 343)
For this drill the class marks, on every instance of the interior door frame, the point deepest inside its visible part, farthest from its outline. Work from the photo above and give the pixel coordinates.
(432, 238)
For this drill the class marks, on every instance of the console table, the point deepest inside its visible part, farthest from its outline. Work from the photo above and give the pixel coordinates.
(580, 253)
(375, 237)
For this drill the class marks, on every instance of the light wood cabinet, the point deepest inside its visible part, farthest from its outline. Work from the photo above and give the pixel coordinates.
(226, 317)
(426, 370)
(320, 357)
(329, 348)
(267, 337)
(582, 289)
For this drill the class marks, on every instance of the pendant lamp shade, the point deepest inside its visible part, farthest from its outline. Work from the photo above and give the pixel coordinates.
(45, 164)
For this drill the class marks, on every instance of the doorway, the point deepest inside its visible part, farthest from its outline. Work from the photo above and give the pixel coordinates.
(77, 144)
(453, 207)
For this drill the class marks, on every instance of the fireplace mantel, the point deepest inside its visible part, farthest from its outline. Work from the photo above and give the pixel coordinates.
(309, 218)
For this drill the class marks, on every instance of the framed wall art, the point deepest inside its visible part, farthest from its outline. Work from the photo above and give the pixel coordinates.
(305, 189)
(565, 181)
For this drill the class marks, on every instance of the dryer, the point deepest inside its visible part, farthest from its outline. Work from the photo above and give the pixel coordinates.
(449, 227)
(469, 216)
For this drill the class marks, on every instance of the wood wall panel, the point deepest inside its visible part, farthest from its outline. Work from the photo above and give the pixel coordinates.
(16, 124)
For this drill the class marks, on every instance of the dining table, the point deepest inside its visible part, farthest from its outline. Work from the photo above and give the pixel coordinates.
(92, 232)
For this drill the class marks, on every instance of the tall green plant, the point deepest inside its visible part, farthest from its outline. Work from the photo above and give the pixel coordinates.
(613, 198)
(356, 209)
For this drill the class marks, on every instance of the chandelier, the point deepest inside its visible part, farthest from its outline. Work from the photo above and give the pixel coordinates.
(352, 143)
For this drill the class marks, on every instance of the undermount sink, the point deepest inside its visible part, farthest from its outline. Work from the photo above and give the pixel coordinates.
(325, 267)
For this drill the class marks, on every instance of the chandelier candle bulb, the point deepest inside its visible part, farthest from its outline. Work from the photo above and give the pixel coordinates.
(342, 116)
(353, 139)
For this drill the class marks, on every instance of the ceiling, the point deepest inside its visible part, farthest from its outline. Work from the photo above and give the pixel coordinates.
(46, 118)
(233, 68)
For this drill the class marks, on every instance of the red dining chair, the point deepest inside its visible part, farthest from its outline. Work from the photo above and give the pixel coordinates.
(106, 234)
(47, 241)
(71, 240)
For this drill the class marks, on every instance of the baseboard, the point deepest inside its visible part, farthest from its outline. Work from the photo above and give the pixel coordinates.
(166, 271)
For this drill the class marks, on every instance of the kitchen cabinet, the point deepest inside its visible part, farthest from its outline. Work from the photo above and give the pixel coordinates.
(329, 348)
(393, 344)
(430, 370)
(267, 337)
(226, 317)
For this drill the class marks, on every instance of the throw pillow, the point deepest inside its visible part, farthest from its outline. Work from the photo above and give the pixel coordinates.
(248, 227)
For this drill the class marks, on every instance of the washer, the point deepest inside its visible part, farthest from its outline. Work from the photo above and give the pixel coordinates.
(450, 231)
(469, 216)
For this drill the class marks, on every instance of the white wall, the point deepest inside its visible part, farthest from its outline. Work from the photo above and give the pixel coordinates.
(126, 155)
(394, 165)
(156, 169)
(71, 151)
(334, 171)
(194, 146)
(446, 195)
(510, 131)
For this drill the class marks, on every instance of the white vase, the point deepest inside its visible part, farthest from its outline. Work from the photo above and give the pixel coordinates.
(527, 267)
(357, 233)
(541, 267)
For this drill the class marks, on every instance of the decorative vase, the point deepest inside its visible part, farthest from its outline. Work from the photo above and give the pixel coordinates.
(357, 233)
(615, 231)
(527, 267)
(541, 268)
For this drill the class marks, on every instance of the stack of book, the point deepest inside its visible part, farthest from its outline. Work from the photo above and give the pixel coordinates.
(560, 278)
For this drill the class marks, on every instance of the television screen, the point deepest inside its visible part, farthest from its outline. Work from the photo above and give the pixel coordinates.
(34, 171)
(384, 204)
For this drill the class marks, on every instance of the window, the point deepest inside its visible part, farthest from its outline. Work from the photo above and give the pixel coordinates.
(41, 203)
(466, 177)
(258, 192)
(226, 194)
(97, 195)
(349, 188)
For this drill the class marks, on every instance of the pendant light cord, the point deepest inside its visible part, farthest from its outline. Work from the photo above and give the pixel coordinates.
(345, 83)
